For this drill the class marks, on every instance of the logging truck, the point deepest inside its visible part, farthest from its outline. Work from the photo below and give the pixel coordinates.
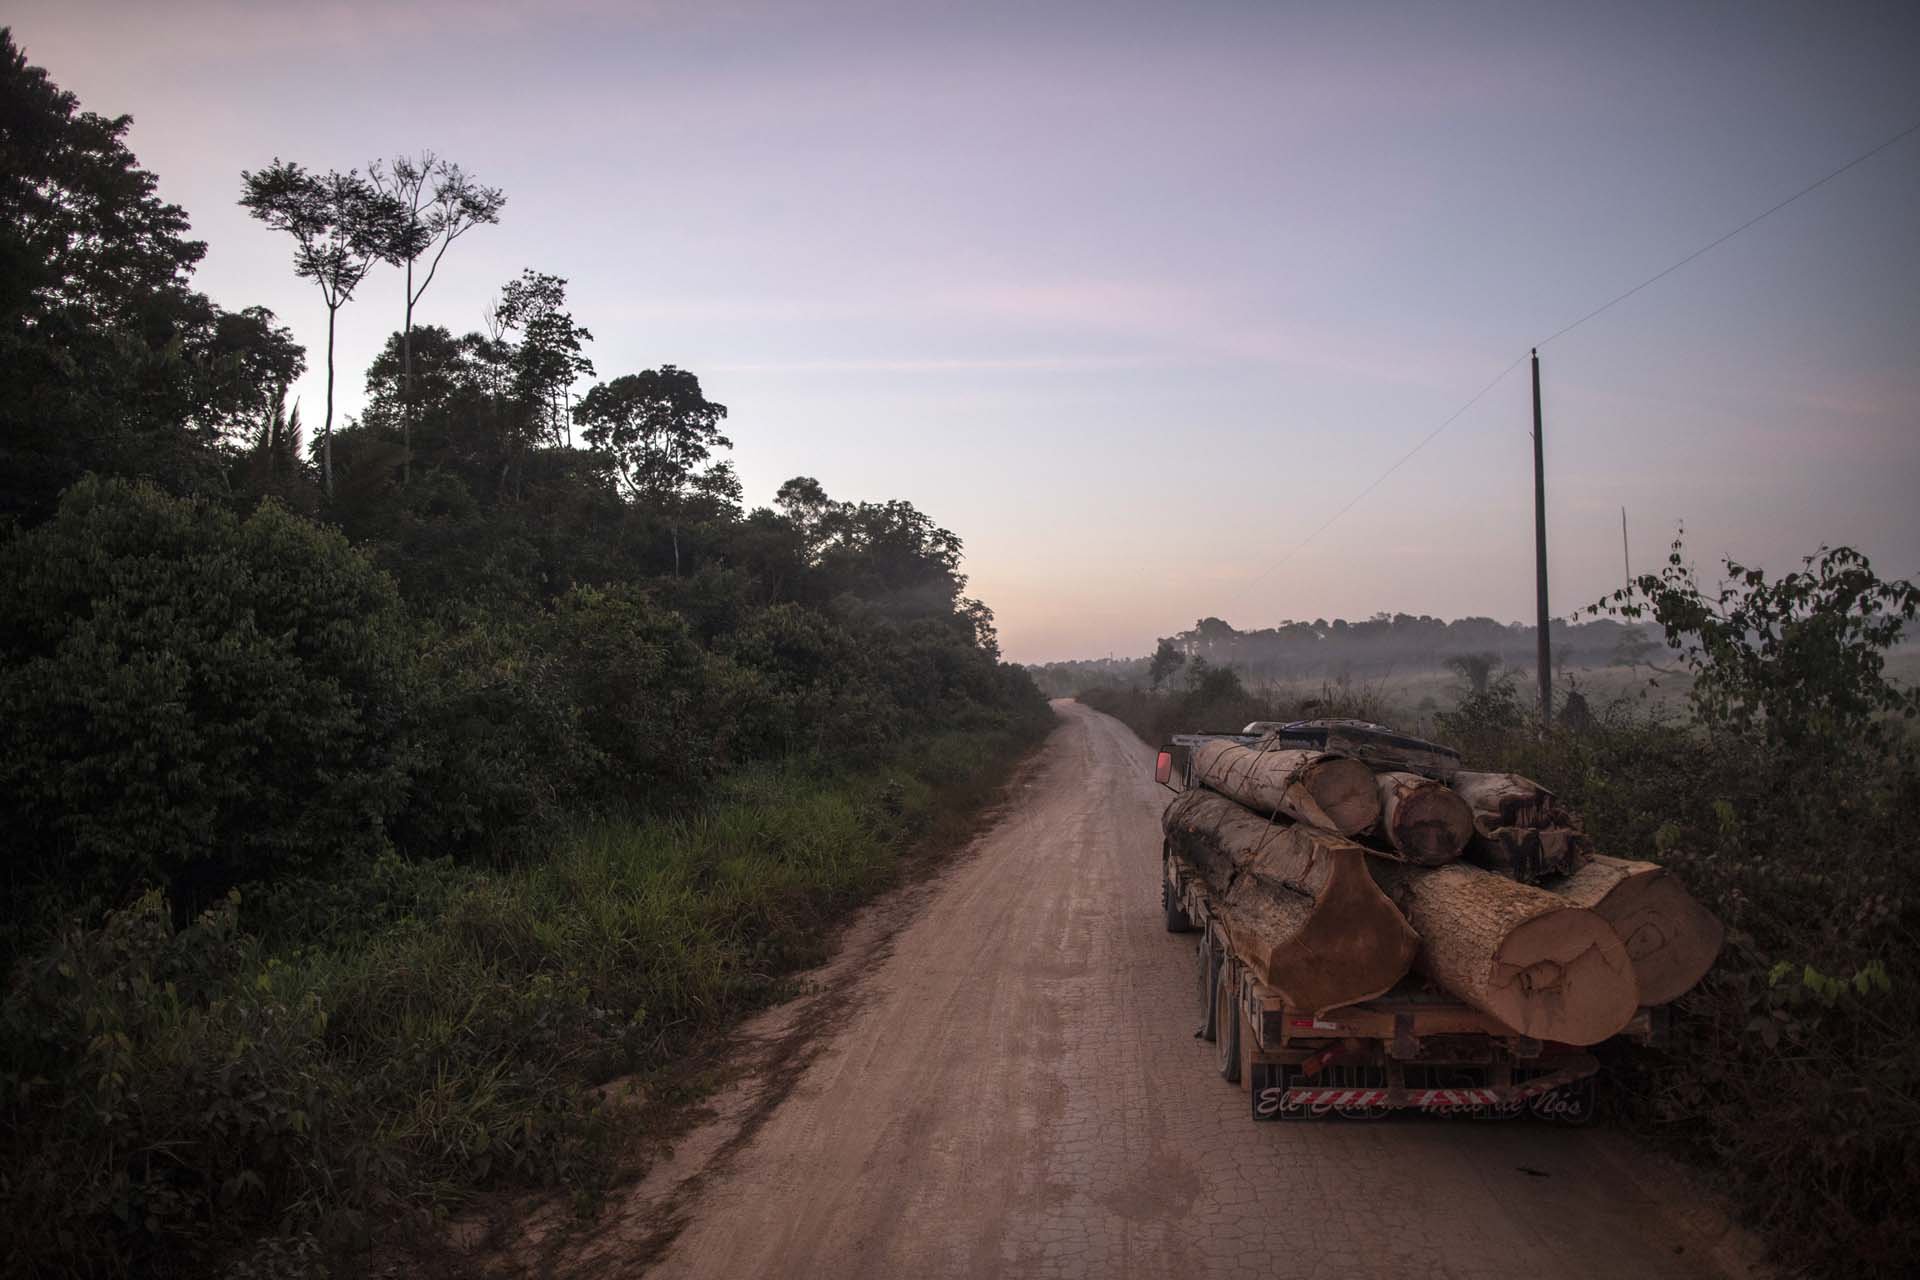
(1414, 1048)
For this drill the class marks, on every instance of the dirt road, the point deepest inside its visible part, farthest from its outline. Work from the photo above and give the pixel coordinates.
(1014, 1089)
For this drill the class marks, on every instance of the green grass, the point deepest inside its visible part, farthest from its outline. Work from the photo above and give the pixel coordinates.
(275, 1085)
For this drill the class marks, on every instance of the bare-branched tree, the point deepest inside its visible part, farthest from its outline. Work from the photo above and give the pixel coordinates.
(443, 203)
(341, 226)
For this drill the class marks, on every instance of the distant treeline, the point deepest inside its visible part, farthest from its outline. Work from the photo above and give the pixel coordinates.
(1375, 646)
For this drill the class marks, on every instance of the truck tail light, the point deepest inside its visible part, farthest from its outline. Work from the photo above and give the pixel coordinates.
(1163, 768)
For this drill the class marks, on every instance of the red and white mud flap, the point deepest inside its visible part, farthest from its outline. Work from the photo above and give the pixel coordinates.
(1564, 1095)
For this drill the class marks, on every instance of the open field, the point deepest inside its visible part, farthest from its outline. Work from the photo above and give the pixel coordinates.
(1411, 699)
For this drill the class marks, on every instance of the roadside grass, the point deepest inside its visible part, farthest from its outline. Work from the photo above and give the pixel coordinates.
(272, 1087)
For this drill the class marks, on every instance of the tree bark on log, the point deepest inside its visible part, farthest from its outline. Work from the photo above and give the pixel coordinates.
(1508, 800)
(1538, 964)
(1670, 938)
(1326, 791)
(1529, 855)
(1423, 820)
(1296, 902)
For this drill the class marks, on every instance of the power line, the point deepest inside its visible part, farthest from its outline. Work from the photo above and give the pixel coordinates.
(1381, 478)
(1453, 417)
(1862, 158)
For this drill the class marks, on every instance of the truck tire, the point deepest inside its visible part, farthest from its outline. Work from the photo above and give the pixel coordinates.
(1177, 921)
(1226, 1021)
(1209, 966)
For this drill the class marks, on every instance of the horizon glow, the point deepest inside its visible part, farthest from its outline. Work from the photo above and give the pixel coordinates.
(1133, 298)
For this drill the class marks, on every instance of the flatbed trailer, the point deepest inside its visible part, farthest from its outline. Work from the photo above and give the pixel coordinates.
(1411, 1050)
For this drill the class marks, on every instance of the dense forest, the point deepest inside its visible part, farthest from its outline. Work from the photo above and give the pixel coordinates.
(375, 789)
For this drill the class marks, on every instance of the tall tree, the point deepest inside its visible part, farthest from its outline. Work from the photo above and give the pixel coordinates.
(657, 427)
(341, 226)
(250, 359)
(549, 358)
(1166, 661)
(109, 360)
(804, 502)
(443, 203)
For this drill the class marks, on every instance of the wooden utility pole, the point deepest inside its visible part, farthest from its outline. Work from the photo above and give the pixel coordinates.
(1545, 655)
(1626, 561)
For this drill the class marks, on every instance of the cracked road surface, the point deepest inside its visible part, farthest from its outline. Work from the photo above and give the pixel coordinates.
(1015, 1089)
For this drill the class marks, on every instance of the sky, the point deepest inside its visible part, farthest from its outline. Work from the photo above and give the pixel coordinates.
(1136, 298)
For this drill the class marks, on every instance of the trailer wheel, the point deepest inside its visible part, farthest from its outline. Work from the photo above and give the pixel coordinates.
(1177, 921)
(1209, 966)
(1226, 1021)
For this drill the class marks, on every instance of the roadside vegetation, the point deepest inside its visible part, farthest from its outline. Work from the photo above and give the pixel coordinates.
(371, 804)
(1785, 796)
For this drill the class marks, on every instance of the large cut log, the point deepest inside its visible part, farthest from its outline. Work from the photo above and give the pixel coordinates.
(1508, 800)
(1543, 967)
(1326, 791)
(1671, 939)
(1529, 855)
(1423, 820)
(1296, 902)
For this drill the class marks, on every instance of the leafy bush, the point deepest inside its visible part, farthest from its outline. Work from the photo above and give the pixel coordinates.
(657, 713)
(815, 690)
(503, 743)
(1798, 662)
(210, 699)
(175, 1099)
(1787, 806)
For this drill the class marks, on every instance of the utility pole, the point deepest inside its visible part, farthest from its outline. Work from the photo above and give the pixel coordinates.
(1626, 561)
(1545, 656)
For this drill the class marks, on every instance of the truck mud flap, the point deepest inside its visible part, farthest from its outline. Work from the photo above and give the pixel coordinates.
(1282, 1092)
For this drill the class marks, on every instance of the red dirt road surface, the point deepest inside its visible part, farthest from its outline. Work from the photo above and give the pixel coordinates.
(1009, 1085)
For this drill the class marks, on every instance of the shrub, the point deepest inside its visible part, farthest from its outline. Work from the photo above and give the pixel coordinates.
(657, 713)
(1787, 806)
(388, 1040)
(211, 699)
(815, 686)
(503, 742)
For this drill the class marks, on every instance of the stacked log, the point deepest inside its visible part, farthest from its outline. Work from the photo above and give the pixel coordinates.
(1320, 789)
(1528, 958)
(1521, 831)
(1508, 800)
(1296, 902)
(1326, 922)
(1527, 855)
(1421, 820)
(1670, 938)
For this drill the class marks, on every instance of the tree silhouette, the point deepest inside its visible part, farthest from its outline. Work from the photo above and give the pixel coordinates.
(548, 360)
(341, 226)
(109, 360)
(443, 203)
(1166, 660)
(804, 501)
(1476, 669)
(657, 427)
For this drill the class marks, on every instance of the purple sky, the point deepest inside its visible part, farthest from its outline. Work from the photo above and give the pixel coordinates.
(1134, 297)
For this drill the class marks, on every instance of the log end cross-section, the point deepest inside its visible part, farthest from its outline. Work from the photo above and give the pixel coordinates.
(1422, 820)
(1542, 966)
(1671, 939)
